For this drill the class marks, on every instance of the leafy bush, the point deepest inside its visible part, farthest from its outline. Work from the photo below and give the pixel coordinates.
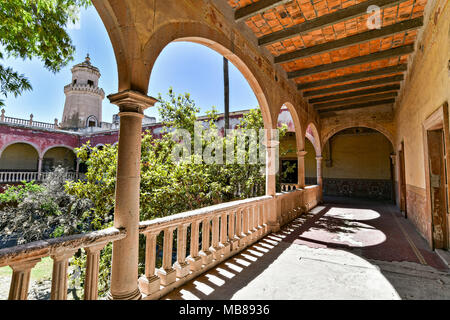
(13, 195)
(44, 211)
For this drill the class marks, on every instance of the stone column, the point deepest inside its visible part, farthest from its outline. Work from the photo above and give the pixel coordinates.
(319, 176)
(272, 154)
(21, 279)
(301, 169)
(124, 274)
(77, 171)
(40, 168)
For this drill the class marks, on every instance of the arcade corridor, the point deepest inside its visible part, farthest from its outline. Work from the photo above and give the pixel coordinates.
(345, 249)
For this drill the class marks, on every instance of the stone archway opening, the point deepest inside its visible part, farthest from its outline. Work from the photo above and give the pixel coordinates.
(358, 164)
(19, 156)
(59, 156)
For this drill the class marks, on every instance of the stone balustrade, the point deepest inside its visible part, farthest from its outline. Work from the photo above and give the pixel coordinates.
(287, 187)
(28, 122)
(22, 259)
(16, 177)
(213, 234)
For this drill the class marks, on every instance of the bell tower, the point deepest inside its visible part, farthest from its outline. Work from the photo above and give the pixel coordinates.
(83, 107)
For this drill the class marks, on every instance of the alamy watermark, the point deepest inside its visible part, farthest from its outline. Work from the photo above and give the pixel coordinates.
(241, 147)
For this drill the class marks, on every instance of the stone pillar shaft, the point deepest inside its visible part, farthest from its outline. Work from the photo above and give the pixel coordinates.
(301, 169)
(124, 273)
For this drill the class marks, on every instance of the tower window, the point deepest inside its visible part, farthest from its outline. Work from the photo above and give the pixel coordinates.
(91, 83)
(91, 122)
(75, 81)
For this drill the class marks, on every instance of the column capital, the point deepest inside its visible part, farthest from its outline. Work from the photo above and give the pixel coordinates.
(319, 158)
(301, 154)
(132, 101)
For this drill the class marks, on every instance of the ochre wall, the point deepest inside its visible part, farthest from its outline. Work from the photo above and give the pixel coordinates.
(310, 160)
(18, 157)
(62, 157)
(359, 156)
(426, 89)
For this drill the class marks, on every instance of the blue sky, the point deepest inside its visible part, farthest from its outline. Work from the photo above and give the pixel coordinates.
(187, 67)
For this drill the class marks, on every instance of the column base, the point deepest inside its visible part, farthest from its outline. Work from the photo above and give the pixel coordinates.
(234, 243)
(168, 276)
(149, 285)
(195, 263)
(275, 227)
(226, 249)
(207, 257)
(182, 269)
(216, 252)
(135, 295)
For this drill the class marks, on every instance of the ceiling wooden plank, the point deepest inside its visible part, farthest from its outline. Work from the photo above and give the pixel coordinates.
(395, 52)
(256, 8)
(356, 93)
(324, 21)
(354, 76)
(376, 97)
(363, 84)
(351, 40)
(358, 106)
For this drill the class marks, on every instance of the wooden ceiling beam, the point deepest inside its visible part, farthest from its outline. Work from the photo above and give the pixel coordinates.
(351, 40)
(324, 21)
(358, 106)
(354, 76)
(375, 97)
(386, 54)
(351, 86)
(355, 93)
(257, 7)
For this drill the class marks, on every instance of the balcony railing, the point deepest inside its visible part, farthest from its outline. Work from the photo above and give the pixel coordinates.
(22, 260)
(226, 229)
(16, 177)
(286, 187)
(28, 122)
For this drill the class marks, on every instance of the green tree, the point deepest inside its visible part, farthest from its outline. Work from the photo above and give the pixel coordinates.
(35, 29)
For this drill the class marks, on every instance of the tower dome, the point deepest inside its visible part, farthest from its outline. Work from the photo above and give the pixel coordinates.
(83, 107)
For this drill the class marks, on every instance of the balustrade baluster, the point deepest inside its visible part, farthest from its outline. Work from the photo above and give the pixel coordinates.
(59, 277)
(234, 240)
(92, 270)
(216, 248)
(194, 260)
(181, 266)
(223, 234)
(244, 229)
(167, 273)
(206, 254)
(20, 280)
(150, 282)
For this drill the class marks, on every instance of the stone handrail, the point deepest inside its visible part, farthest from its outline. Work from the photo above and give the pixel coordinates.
(231, 226)
(23, 258)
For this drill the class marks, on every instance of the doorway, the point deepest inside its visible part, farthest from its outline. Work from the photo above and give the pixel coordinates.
(436, 155)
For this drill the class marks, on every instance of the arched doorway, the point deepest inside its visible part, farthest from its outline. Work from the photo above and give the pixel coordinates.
(358, 164)
(59, 156)
(20, 156)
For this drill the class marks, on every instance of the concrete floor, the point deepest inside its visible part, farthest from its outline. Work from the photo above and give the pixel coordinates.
(341, 250)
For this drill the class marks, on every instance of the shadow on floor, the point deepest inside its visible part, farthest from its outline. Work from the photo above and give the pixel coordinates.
(374, 231)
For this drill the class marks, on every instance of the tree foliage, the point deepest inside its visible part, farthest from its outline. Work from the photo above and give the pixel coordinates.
(35, 29)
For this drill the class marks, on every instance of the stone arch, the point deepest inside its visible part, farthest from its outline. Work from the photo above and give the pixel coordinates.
(36, 148)
(60, 159)
(22, 160)
(204, 35)
(373, 126)
(312, 134)
(299, 136)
